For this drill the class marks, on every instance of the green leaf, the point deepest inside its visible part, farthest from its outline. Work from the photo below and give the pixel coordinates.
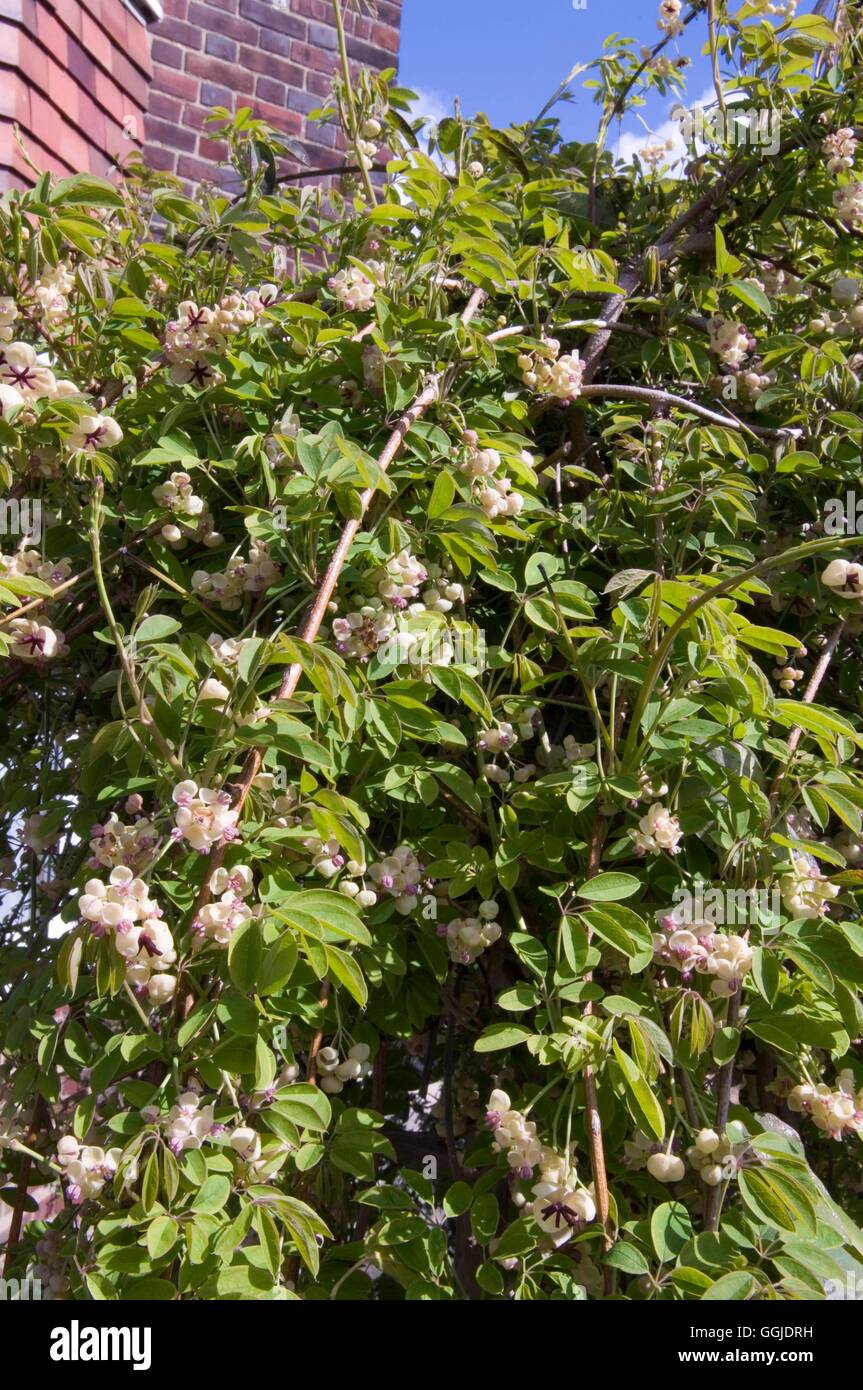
(162, 1236)
(609, 888)
(442, 495)
(501, 1035)
(645, 1101)
(670, 1229)
(348, 973)
(731, 1288)
(484, 1217)
(156, 628)
(245, 953)
(212, 1196)
(752, 296)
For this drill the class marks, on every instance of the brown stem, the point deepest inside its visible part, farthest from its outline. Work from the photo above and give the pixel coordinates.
(811, 691)
(40, 1112)
(654, 397)
(591, 1101)
(311, 1069)
(713, 1200)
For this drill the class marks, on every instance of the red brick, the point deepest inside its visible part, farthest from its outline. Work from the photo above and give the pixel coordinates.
(96, 42)
(273, 18)
(170, 134)
(15, 102)
(51, 34)
(171, 54)
(129, 78)
(216, 150)
(109, 95)
(208, 17)
(179, 31)
(138, 46)
(70, 13)
(92, 121)
(161, 158)
(176, 9)
(278, 116)
(180, 84)
(314, 58)
(253, 60)
(385, 37)
(165, 107)
(10, 45)
(214, 70)
(269, 90)
(63, 91)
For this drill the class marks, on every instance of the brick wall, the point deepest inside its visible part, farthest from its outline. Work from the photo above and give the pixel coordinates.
(276, 56)
(74, 76)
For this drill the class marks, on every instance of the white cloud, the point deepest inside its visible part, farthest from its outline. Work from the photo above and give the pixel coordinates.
(432, 105)
(631, 143)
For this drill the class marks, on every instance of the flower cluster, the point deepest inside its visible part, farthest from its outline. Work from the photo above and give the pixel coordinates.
(32, 641)
(113, 843)
(657, 831)
(663, 1164)
(123, 906)
(837, 1111)
(400, 875)
(513, 1134)
(697, 947)
(730, 342)
(787, 676)
(366, 143)
(8, 315)
(840, 147)
(86, 1168)
(354, 289)
(227, 588)
(549, 374)
(364, 630)
(178, 496)
(712, 1157)
(655, 152)
(845, 578)
(372, 624)
(198, 330)
(328, 860)
(497, 740)
(468, 937)
(188, 1123)
(494, 492)
(39, 840)
(218, 920)
(402, 579)
(669, 20)
(26, 562)
(806, 892)
(561, 1206)
(203, 817)
(28, 379)
(51, 291)
(334, 1072)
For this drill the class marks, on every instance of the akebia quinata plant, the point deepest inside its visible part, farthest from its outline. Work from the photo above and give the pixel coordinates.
(432, 791)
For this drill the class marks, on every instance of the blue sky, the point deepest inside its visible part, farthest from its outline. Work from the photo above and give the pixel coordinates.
(506, 57)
